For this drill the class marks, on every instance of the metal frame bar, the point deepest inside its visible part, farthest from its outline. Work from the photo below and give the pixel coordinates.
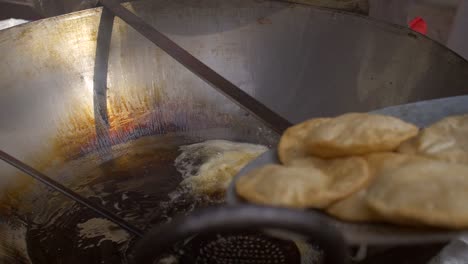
(69, 193)
(230, 90)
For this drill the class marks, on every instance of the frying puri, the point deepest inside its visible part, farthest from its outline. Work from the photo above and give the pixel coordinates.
(424, 192)
(357, 134)
(346, 175)
(306, 183)
(354, 207)
(445, 140)
(284, 186)
(291, 145)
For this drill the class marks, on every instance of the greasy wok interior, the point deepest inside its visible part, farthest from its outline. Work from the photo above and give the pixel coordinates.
(51, 78)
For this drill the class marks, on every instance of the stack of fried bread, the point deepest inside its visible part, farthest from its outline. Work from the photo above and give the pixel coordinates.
(370, 168)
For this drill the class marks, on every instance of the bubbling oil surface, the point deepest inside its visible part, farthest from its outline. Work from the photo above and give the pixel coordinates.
(146, 181)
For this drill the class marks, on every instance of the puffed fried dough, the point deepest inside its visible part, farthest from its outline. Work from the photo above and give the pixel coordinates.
(354, 207)
(382, 162)
(427, 192)
(357, 134)
(445, 140)
(284, 186)
(346, 175)
(291, 145)
(307, 183)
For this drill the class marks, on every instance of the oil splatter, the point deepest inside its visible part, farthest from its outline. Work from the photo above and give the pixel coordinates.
(102, 229)
(208, 167)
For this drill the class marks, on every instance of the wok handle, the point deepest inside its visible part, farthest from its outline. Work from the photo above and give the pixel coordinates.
(311, 227)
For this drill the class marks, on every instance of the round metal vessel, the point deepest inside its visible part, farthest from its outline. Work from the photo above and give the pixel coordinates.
(299, 60)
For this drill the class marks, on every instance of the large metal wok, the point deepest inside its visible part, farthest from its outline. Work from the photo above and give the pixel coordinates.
(298, 60)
